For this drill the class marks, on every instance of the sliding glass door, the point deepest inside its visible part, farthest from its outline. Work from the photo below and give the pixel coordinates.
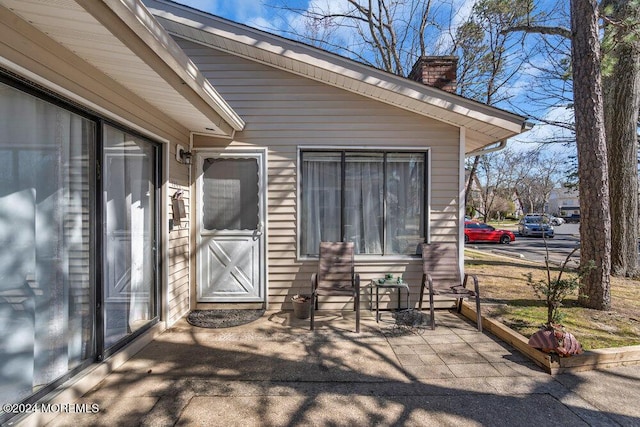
(78, 237)
(46, 292)
(129, 250)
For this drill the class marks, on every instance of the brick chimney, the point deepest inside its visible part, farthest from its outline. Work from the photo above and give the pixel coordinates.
(436, 71)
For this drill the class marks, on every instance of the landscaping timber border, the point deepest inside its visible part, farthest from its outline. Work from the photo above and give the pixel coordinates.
(552, 363)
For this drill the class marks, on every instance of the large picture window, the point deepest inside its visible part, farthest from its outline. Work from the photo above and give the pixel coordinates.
(375, 199)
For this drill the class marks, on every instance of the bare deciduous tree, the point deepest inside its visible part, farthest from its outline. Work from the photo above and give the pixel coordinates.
(490, 58)
(544, 173)
(391, 34)
(499, 174)
(549, 89)
(525, 177)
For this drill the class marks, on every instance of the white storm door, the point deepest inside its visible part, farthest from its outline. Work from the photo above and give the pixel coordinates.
(231, 222)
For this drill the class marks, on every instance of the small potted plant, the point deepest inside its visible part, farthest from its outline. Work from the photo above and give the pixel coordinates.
(301, 305)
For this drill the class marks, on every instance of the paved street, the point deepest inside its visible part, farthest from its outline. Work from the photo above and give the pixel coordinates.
(533, 248)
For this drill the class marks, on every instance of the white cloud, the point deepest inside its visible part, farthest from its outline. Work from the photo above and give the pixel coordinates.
(461, 12)
(260, 22)
(246, 10)
(458, 12)
(548, 132)
(542, 134)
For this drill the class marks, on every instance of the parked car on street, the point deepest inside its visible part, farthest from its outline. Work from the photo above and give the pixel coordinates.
(480, 232)
(535, 225)
(556, 220)
(575, 218)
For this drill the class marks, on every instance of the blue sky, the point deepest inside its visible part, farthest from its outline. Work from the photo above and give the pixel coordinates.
(270, 15)
(237, 10)
(262, 14)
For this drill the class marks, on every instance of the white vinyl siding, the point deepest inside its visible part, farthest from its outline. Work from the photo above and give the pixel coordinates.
(285, 113)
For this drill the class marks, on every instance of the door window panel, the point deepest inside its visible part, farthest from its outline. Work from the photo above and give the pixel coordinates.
(230, 194)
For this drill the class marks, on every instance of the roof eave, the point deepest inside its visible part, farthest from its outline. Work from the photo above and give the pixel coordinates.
(494, 123)
(134, 26)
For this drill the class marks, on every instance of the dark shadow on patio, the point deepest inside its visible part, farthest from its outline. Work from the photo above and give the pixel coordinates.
(277, 372)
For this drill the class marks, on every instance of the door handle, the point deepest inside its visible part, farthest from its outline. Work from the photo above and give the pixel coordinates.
(259, 230)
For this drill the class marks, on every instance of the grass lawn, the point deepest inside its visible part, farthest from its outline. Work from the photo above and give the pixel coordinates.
(505, 223)
(508, 298)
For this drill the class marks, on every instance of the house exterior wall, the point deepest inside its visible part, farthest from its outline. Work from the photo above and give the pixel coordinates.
(179, 252)
(285, 112)
(564, 202)
(30, 54)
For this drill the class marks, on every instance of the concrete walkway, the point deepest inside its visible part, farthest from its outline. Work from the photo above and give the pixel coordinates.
(275, 372)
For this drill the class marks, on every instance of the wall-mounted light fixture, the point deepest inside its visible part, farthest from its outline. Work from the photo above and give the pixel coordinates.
(182, 155)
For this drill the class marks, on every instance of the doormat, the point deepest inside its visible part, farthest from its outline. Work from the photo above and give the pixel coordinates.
(226, 318)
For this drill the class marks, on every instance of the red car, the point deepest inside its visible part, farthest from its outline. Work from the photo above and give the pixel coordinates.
(480, 232)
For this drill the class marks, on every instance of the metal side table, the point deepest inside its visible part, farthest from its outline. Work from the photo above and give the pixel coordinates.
(389, 284)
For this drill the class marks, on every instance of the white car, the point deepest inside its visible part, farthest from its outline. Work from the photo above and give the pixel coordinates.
(556, 220)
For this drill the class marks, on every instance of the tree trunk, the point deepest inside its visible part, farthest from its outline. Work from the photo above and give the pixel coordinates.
(472, 176)
(595, 222)
(622, 103)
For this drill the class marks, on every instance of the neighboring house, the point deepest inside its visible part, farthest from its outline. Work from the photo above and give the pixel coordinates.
(160, 160)
(564, 202)
(518, 208)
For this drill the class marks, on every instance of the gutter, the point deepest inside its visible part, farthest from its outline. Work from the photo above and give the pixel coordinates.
(486, 150)
(526, 126)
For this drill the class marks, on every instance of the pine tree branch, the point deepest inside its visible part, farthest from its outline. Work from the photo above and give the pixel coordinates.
(536, 29)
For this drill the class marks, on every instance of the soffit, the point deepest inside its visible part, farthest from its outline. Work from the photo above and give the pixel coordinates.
(123, 40)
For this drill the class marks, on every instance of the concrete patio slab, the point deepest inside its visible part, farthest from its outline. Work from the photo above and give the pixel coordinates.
(277, 372)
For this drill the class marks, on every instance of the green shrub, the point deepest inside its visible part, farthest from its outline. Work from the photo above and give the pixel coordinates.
(554, 290)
